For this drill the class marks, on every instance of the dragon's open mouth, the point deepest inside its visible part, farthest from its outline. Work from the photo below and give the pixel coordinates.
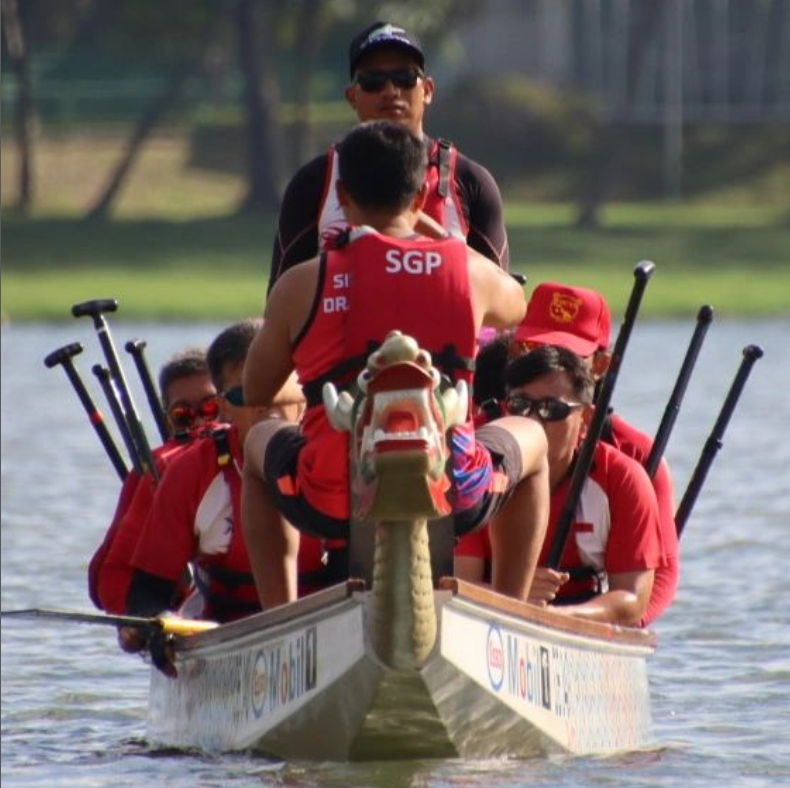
(401, 420)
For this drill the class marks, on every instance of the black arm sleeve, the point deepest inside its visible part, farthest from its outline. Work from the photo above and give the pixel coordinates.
(482, 202)
(297, 227)
(148, 594)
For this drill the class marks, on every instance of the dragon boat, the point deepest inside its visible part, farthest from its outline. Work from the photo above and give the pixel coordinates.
(406, 661)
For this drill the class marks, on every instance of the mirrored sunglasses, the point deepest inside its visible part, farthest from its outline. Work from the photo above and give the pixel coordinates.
(234, 396)
(182, 415)
(375, 81)
(548, 409)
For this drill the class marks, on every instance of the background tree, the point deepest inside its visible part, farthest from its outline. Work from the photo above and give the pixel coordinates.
(180, 30)
(15, 45)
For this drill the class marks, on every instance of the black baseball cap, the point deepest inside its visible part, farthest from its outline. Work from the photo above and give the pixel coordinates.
(380, 35)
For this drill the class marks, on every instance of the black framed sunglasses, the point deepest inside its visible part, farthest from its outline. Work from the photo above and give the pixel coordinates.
(548, 409)
(183, 415)
(375, 81)
(234, 396)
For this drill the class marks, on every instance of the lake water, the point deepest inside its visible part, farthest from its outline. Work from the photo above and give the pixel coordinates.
(73, 706)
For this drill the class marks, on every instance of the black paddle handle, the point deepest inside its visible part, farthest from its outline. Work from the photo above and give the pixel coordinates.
(642, 273)
(96, 309)
(704, 318)
(136, 349)
(64, 357)
(751, 354)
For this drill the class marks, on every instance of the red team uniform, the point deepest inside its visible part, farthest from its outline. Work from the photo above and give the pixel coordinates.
(110, 571)
(616, 526)
(637, 445)
(363, 286)
(195, 518)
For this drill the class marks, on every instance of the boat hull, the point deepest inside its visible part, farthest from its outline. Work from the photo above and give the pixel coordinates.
(504, 679)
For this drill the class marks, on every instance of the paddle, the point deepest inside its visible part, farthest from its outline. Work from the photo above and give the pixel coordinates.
(169, 625)
(704, 318)
(95, 310)
(642, 273)
(136, 349)
(104, 376)
(64, 357)
(751, 353)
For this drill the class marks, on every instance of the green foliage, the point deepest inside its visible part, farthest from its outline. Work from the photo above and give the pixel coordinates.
(732, 256)
(517, 127)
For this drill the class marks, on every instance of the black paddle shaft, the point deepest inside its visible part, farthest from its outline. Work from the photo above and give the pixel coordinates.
(704, 318)
(642, 273)
(95, 310)
(64, 357)
(107, 385)
(136, 349)
(751, 353)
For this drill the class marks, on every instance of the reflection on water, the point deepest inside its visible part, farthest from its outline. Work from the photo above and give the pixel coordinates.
(73, 708)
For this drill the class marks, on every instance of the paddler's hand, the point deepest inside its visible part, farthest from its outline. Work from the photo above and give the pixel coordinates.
(132, 639)
(545, 585)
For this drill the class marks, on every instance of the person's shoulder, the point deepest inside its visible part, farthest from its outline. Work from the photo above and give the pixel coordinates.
(471, 171)
(295, 279)
(313, 173)
(613, 467)
(630, 440)
(195, 459)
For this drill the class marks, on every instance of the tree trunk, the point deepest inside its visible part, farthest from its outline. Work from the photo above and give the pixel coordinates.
(24, 109)
(150, 119)
(611, 140)
(312, 26)
(260, 99)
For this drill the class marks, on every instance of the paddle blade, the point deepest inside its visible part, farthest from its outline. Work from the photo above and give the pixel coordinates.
(168, 623)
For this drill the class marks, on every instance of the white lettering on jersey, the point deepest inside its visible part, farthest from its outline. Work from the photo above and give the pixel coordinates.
(339, 281)
(337, 304)
(414, 261)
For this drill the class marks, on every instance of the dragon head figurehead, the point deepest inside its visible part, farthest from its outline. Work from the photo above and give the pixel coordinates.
(398, 422)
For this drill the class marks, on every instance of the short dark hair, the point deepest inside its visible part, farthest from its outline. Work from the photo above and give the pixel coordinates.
(184, 364)
(230, 347)
(382, 164)
(490, 364)
(552, 358)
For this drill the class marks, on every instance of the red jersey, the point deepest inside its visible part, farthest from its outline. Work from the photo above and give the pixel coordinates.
(109, 571)
(616, 528)
(367, 288)
(196, 518)
(637, 445)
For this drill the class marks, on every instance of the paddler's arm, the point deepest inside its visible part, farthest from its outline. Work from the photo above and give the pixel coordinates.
(269, 365)
(624, 603)
(498, 298)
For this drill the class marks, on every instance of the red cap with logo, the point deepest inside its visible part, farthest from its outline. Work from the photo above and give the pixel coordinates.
(573, 317)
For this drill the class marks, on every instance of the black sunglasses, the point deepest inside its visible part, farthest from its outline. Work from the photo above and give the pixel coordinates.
(235, 396)
(375, 81)
(548, 409)
(182, 415)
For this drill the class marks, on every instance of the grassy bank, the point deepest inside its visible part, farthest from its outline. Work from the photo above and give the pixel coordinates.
(198, 260)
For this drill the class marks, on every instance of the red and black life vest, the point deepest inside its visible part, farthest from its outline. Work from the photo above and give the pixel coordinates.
(225, 580)
(370, 286)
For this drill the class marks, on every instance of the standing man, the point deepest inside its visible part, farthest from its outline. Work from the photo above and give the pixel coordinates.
(321, 317)
(388, 82)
